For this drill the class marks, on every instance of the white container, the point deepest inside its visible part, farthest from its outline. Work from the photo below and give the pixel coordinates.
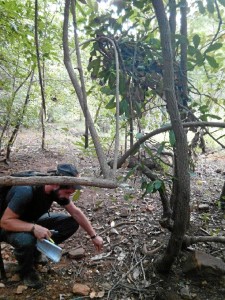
(49, 249)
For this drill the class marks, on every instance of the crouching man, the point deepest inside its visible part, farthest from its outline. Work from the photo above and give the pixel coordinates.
(27, 218)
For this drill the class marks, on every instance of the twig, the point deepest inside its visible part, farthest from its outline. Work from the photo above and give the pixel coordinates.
(203, 230)
(124, 275)
(151, 252)
(117, 225)
(143, 271)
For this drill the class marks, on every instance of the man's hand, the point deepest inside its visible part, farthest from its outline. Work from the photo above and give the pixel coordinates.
(41, 232)
(98, 242)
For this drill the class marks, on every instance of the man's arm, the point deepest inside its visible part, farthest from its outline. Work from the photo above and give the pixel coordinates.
(83, 221)
(10, 221)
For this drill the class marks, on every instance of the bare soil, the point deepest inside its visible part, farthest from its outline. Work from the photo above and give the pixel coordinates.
(127, 222)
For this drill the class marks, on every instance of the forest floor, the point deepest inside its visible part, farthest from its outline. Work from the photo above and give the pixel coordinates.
(127, 222)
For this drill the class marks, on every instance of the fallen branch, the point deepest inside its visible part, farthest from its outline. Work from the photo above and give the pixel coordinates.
(151, 252)
(62, 180)
(190, 240)
(117, 225)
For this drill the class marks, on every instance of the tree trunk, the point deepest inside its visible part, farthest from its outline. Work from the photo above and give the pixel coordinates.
(172, 22)
(222, 197)
(19, 120)
(182, 198)
(43, 108)
(67, 61)
(183, 56)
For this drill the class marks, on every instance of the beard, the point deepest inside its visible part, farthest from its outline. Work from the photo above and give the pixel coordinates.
(60, 200)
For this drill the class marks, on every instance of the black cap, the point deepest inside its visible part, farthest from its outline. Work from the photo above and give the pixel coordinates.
(68, 170)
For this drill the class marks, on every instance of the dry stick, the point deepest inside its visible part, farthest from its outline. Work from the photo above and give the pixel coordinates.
(117, 225)
(124, 275)
(189, 240)
(143, 271)
(151, 252)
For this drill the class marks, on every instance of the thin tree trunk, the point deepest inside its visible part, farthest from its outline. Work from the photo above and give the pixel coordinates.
(182, 198)
(8, 118)
(183, 59)
(172, 22)
(222, 198)
(43, 109)
(67, 61)
(19, 120)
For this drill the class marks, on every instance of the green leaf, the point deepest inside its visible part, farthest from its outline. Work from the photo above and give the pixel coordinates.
(212, 116)
(201, 7)
(124, 108)
(191, 50)
(94, 65)
(203, 117)
(210, 6)
(65, 129)
(150, 187)
(85, 44)
(222, 2)
(76, 195)
(196, 40)
(199, 58)
(106, 90)
(212, 62)
(111, 104)
(130, 173)
(204, 108)
(157, 184)
(214, 47)
(161, 147)
(172, 138)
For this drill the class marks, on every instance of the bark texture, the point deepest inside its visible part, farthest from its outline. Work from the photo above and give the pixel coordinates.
(181, 176)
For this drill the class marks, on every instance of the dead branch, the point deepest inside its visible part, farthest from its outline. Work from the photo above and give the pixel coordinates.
(190, 240)
(136, 145)
(151, 252)
(117, 225)
(62, 180)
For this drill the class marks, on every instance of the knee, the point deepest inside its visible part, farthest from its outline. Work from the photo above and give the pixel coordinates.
(72, 224)
(25, 240)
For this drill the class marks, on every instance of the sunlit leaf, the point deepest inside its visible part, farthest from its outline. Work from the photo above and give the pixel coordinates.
(76, 195)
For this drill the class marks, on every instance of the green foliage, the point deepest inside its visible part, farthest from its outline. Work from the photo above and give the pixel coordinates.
(76, 196)
(172, 138)
(152, 187)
